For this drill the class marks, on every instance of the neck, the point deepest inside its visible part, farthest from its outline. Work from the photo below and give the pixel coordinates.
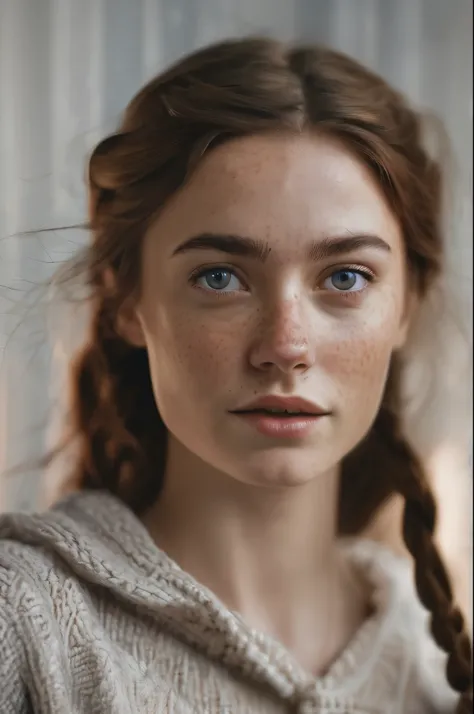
(269, 554)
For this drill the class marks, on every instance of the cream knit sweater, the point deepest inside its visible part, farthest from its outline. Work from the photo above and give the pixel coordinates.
(94, 619)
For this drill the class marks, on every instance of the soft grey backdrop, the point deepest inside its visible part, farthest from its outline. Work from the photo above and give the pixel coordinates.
(67, 69)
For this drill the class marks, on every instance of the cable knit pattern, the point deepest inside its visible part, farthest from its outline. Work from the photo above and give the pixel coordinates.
(95, 619)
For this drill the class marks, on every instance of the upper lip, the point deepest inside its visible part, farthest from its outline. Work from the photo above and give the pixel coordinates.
(294, 404)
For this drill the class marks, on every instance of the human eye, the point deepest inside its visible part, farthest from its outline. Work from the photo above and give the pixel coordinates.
(218, 279)
(348, 279)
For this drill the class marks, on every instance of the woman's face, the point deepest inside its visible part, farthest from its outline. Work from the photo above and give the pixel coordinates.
(278, 271)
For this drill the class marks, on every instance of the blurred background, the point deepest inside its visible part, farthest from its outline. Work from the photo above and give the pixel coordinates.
(67, 70)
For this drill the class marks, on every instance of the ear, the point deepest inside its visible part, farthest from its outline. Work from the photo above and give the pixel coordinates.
(406, 320)
(127, 321)
(129, 324)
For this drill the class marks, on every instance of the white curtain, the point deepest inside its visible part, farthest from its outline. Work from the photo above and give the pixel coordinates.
(68, 68)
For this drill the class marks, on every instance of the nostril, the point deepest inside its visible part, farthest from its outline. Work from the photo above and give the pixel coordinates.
(301, 367)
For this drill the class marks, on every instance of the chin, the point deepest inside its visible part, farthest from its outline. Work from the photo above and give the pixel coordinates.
(278, 470)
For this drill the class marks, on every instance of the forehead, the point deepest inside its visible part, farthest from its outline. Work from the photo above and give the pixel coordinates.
(279, 188)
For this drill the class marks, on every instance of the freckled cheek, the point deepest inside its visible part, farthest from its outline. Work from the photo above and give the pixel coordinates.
(362, 351)
(203, 352)
(359, 357)
(358, 367)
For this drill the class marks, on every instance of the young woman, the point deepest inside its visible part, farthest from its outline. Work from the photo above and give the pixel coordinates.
(265, 223)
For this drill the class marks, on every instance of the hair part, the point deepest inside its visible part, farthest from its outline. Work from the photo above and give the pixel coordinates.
(229, 90)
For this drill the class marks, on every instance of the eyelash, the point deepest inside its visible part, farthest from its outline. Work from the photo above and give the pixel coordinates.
(367, 274)
(351, 295)
(200, 272)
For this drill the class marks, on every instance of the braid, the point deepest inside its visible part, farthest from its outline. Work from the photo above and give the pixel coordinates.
(432, 581)
(385, 450)
(122, 437)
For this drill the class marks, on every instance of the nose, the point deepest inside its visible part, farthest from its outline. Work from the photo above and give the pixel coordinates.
(283, 342)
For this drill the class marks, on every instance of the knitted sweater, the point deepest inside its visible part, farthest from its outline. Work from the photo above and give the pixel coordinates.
(95, 619)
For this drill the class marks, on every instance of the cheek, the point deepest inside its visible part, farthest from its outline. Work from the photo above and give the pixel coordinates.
(192, 353)
(210, 353)
(358, 366)
(358, 361)
(361, 356)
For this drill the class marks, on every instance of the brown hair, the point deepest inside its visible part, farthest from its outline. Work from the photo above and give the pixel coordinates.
(233, 89)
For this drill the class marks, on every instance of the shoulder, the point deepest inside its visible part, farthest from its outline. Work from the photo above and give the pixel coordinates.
(85, 549)
(27, 576)
(47, 612)
(409, 645)
(27, 564)
(42, 556)
(21, 602)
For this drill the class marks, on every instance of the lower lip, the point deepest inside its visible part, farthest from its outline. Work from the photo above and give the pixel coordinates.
(289, 427)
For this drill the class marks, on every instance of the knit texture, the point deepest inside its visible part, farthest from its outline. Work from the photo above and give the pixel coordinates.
(95, 619)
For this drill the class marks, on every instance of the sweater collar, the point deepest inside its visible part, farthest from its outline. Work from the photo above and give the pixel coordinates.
(104, 543)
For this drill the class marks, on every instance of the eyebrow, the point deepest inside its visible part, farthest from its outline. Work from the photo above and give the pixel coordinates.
(328, 247)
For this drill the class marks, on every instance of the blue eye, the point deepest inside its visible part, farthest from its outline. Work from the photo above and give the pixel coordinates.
(346, 281)
(218, 280)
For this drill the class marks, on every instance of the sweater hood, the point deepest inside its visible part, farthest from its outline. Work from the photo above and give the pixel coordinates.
(103, 543)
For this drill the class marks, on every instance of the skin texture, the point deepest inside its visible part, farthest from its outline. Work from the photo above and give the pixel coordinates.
(282, 332)
(260, 512)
